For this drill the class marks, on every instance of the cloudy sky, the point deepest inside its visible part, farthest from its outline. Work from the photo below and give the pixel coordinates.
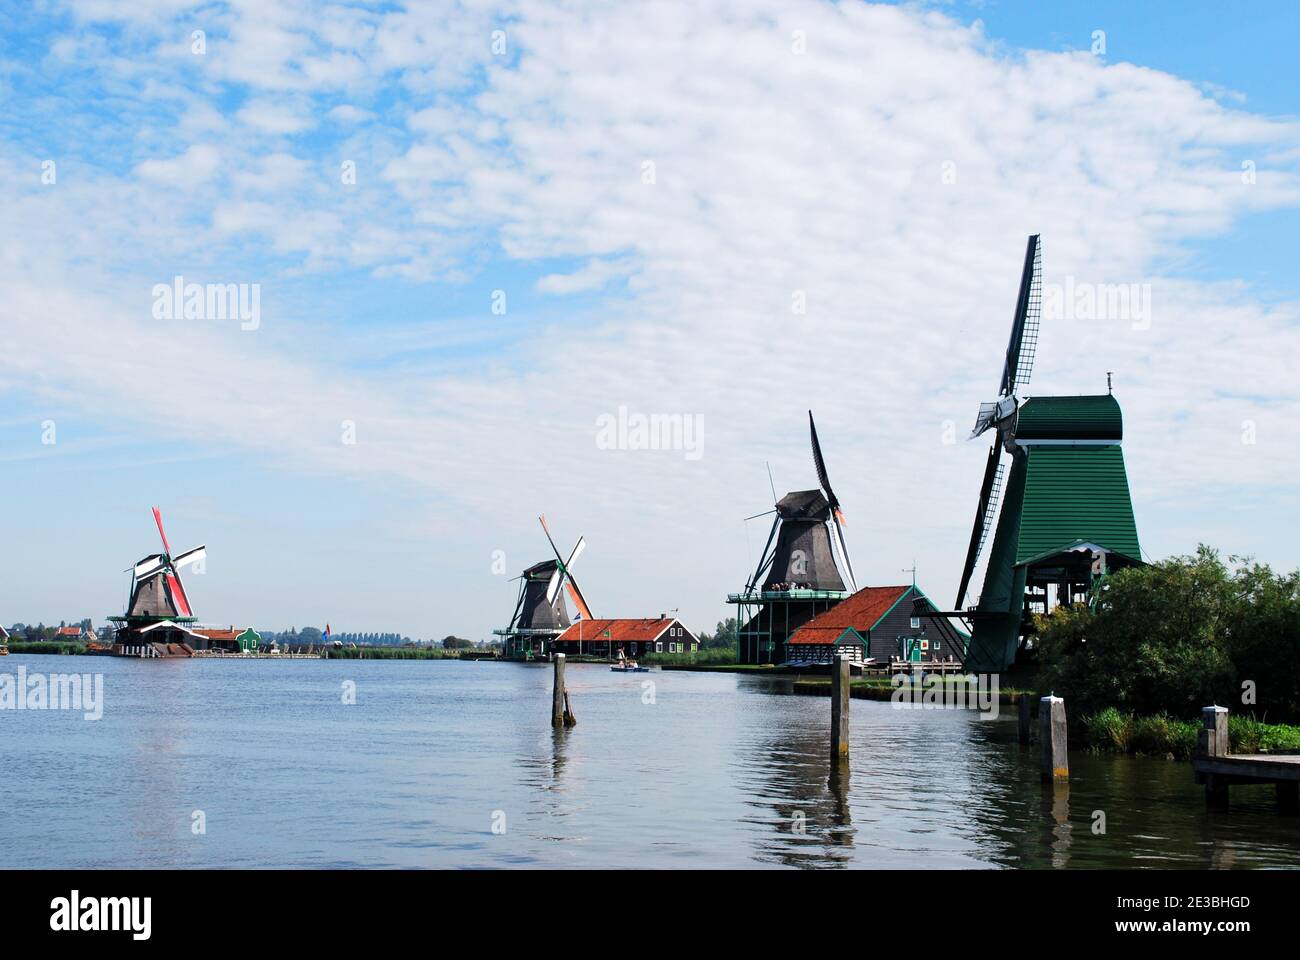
(477, 229)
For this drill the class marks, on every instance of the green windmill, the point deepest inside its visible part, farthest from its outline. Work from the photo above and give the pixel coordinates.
(1066, 517)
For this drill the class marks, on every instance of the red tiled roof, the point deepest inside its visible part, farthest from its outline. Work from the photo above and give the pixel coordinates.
(859, 611)
(620, 631)
(819, 635)
(69, 632)
(219, 634)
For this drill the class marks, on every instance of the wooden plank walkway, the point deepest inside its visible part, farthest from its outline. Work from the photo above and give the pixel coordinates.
(1218, 769)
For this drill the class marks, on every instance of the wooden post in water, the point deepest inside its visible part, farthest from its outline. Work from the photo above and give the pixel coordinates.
(839, 709)
(561, 715)
(1026, 705)
(1052, 740)
(1213, 742)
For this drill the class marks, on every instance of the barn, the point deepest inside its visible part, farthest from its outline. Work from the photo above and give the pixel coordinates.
(635, 637)
(877, 624)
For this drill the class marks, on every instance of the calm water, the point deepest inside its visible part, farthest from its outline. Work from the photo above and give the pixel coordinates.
(713, 773)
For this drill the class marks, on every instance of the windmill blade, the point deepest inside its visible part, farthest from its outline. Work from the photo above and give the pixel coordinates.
(178, 594)
(578, 547)
(578, 600)
(553, 587)
(1024, 325)
(763, 559)
(547, 531)
(157, 516)
(190, 556)
(757, 515)
(821, 465)
(519, 603)
(146, 568)
(992, 470)
(844, 552)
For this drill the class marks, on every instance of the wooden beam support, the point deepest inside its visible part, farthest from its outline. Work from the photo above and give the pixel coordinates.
(561, 715)
(1055, 756)
(839, 709)
(1025, 706)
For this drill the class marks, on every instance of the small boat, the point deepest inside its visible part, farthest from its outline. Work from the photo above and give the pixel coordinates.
(628, 666)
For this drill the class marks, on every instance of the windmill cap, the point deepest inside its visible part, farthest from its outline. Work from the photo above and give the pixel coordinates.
(804, 505)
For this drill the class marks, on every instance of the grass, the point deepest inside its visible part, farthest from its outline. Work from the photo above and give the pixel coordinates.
(716, 656)
(395, 653)
(1113, 731)
(45, 646)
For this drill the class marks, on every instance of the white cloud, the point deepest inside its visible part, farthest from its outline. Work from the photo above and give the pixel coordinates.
(195, 166)
(889, 174)
(275, 118)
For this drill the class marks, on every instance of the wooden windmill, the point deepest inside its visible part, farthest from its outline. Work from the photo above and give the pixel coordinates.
(158, 614)
(541, 614)
(798, 575)
(1066, 514)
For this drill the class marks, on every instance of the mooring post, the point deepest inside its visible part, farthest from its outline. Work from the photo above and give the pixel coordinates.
(839, 709)
(557, 692)
(1026, 705)
(1213, 742)
(1052, 739)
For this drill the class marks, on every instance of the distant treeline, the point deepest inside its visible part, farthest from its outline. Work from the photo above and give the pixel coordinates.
(314, 636)
(33, 633)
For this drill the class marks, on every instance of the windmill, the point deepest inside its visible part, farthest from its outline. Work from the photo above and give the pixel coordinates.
(1066, 515)
(158, 611)
(798, 575)
(540, 611)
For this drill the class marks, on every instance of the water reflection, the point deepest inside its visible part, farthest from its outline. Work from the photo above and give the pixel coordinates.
(800, 796)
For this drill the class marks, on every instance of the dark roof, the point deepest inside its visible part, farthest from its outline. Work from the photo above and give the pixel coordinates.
(861, 611)
(546, 567)
(1070, 418)
(804, 505)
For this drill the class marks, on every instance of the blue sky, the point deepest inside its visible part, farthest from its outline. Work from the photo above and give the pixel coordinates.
(776, 171)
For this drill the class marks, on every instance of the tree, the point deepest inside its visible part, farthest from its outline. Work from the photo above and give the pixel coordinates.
(1177, 635)
(456, 643)
(724, 637)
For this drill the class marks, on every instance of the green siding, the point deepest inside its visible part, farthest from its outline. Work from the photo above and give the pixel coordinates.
(1070, 418)
(1072, 494)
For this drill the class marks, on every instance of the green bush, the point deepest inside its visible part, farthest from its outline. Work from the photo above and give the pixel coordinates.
(1174, 636)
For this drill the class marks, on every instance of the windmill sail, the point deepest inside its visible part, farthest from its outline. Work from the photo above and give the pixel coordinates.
(983, 519)
(1023, 344)
(836, 514)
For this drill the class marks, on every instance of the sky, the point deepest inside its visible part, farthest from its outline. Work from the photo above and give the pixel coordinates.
(477, 232)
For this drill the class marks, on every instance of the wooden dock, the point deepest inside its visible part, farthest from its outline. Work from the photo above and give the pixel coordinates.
(1218, 769)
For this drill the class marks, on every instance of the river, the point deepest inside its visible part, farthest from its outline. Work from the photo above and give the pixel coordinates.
(451, 764)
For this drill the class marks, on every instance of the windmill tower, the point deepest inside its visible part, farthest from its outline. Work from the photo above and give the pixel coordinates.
(540, 611)
(798, 575)
(1066, 514)
(158, 614)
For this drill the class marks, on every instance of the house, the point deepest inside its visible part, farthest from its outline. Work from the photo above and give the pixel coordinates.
(880, 624)
(635, 637)
(76, 634)
(229, 640)
(4, 634)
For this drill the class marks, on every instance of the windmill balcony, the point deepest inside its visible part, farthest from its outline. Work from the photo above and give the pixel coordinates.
(759, 595)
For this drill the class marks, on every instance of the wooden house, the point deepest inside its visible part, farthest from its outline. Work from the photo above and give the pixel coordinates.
(879, 624)
(635, 637)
